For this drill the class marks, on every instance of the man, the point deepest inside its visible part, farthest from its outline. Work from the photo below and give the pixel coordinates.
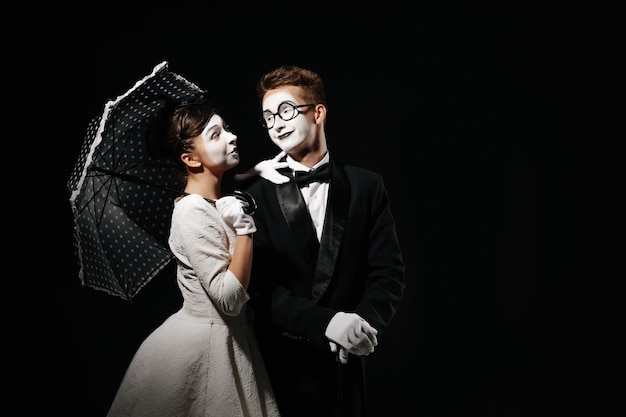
(328, 272)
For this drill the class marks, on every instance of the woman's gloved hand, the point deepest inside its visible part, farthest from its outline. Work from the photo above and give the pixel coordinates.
(231, 210)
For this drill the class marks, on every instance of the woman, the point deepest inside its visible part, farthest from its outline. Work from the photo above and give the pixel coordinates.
(203, 360)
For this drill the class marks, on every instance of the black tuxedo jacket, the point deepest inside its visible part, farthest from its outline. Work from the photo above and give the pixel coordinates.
(298, 284)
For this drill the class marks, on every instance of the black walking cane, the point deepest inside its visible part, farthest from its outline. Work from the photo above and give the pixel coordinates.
(339, 385)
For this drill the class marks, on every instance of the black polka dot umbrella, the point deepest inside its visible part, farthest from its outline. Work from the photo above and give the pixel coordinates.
(121, 197)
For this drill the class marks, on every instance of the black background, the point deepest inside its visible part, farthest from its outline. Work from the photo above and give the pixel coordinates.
(498, 129)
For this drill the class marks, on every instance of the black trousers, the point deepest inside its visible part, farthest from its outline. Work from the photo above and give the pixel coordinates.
(310, 383)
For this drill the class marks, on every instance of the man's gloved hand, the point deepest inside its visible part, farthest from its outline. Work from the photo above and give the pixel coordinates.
(342, 353)
(267, 169)
(231, 210)
(352, 332)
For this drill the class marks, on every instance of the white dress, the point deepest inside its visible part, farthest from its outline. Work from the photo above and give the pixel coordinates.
(203, 360)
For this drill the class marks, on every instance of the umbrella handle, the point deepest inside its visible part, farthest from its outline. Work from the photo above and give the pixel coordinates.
(244, 196)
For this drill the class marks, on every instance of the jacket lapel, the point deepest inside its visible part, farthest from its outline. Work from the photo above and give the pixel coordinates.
(298, 219)
(322, 255)
(332, 235)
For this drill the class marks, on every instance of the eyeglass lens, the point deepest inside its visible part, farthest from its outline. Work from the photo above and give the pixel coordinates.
(286, 111)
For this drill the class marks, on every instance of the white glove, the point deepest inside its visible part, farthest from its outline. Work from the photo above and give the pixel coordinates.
(342, 355)
(231, 210)
(353, 333)
(267, 169)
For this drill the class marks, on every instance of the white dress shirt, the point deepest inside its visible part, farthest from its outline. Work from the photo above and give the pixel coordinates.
(315, 194)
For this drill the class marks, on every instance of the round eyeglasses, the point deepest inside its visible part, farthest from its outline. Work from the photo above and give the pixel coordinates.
(287, 110)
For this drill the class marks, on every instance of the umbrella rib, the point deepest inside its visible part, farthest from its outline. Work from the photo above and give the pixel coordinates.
(104, 184)
(133, 178)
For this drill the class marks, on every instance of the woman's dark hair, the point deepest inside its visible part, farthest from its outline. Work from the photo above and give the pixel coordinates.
(171, 136)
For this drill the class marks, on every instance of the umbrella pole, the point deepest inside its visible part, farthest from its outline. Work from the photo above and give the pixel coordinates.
(242, 195)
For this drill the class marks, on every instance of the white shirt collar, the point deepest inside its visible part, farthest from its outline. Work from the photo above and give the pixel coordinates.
(297, 166)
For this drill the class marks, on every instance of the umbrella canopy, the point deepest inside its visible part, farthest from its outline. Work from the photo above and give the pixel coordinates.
(121, 196)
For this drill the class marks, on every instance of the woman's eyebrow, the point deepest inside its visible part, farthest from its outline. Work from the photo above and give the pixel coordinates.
(209, 128)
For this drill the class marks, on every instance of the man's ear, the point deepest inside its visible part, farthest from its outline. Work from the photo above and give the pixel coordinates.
(189, 159)
(320, 113)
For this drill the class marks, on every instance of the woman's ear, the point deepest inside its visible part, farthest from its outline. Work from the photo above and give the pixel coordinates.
(189, 159)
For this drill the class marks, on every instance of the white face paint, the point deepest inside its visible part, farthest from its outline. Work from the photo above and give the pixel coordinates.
(290, 134)
(220, 144)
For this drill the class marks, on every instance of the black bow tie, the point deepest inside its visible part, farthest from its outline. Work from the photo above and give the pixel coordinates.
(320, 174)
